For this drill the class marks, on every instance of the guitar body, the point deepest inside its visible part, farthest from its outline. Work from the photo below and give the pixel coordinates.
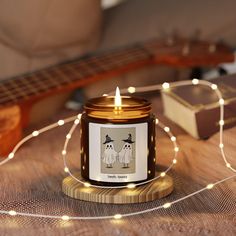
(17, 95)
(10, 129)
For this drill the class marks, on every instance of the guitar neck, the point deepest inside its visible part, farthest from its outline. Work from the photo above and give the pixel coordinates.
(71, 75)
(88, 69)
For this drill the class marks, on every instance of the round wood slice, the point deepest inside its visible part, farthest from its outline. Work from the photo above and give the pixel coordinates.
(155, 190)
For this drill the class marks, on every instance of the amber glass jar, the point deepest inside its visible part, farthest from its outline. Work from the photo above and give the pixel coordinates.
(117, 144)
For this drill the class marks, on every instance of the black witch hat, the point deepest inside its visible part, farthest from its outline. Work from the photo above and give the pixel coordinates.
(129, 139)
(108, 139)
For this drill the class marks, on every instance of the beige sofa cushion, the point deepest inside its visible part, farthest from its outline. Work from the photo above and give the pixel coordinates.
(37, 33)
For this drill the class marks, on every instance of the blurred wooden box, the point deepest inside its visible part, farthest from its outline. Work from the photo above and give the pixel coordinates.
(196, 108)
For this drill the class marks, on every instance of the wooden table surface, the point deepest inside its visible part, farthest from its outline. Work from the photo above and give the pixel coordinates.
(32, 183)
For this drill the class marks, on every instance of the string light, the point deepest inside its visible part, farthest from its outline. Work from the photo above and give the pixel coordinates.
(76, 121)
(131, 186)
(210, 186)
(61, 122)
(222, 101)
(86, 184)
(167, 129)
(221, 122)
(12, 213)
(131, 89)
(214, 86)
(165, 85)
(195, 81)
(173, 138)
(221, 145)
(167, 205)
(63, 152)
(176, 149)
(228, 165)
(11, 155)
(163, 174)
(65, 217)
(35, 133)
(117, 216)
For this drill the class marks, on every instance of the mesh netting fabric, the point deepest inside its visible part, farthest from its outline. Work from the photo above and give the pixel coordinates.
(32, 183)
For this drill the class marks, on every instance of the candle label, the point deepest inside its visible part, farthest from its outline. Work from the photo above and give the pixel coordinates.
(118, 153)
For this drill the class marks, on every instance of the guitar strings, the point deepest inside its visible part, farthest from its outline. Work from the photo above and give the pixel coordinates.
(17, 87)
(24, 87)
(76, 120)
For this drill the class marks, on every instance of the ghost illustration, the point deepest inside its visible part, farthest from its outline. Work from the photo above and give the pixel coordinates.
(109, 155)
(125, 155)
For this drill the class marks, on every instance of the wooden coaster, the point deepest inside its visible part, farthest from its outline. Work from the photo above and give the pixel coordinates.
(155, 190)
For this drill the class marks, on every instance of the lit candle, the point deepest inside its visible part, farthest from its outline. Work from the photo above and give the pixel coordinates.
(117, 140)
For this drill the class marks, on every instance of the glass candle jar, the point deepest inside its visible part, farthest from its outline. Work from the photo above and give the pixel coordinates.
(117, 142)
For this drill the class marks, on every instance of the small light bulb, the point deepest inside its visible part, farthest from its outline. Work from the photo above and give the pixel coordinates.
(221, 122)
(173, 138)
(174, 161)
(210, 186)
(228, 165)
(167, 205)
(61, 122)
(11, 155)
(165, 85)
(63, 152)
(76, 122)
(214, 86)
(163, 174)
(65, 217)
(131, 89)
(176, 149)
(195, 81)
(222, 101)
(221, 145)
(79, 116)
(68, 136)
(167, 129)
(157, 121)
(87, 184)
(105, 95)
(12, 213)
(66, 169)
(131, 186)
(117, 216)
(35, 133)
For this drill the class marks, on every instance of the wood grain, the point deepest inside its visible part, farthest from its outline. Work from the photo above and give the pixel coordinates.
(155, 190)
(10, 128)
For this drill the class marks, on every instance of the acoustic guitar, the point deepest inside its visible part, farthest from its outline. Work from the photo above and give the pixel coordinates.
(17, 95)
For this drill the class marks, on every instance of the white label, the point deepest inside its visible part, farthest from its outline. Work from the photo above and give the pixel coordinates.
(118, 153)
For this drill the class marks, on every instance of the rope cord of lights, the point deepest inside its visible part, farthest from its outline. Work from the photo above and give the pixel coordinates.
(76, 120)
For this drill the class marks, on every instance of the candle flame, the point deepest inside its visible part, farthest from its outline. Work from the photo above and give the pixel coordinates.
(118, 102)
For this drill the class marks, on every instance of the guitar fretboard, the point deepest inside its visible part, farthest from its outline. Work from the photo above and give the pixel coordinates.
(98, 66)
(65, 75)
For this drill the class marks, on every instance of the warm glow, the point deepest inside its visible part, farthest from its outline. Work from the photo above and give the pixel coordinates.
(118, 102)
(118, 216)
(167, 205)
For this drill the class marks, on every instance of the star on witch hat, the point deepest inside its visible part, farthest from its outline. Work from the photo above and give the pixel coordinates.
(108, 139)
(129, 139)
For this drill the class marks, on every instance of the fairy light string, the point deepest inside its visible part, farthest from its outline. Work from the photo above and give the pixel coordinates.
(76, 120)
